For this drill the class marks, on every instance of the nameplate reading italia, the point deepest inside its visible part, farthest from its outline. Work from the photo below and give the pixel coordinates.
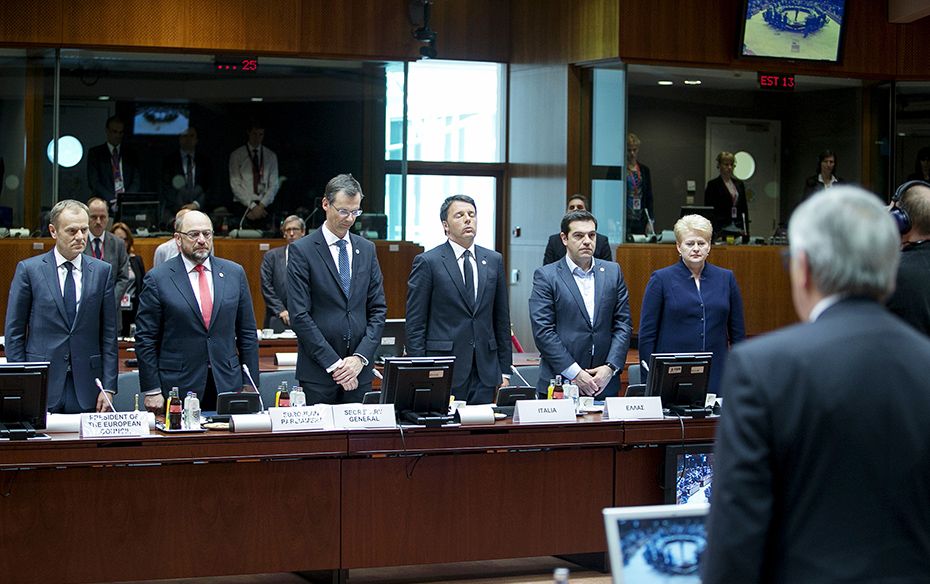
(351, 416)
(317, 417)
(114, 424)
(544, 410)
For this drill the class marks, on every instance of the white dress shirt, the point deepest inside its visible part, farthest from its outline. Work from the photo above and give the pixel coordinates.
(459, 259)
(331, 239)
(194, 276)
(585, 282)
(240, 176)
(77, 275)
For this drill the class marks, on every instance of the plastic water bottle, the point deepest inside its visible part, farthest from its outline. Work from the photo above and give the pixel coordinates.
(186, 415)
(298, 397)
(560, 575)
(193, 413)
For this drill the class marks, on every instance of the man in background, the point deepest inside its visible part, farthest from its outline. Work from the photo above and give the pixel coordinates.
(274, 276)
(105, 246)
(186, 176)
(911, 298)
(555, 249)
(111, 168)
(822, 456)
(62, 310)
(457, 304)
(253, 177)
(580, 314)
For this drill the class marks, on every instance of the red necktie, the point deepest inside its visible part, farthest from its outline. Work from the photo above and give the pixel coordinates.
(206, 302)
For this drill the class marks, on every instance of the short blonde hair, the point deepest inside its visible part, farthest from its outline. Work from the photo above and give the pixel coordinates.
(633, 140)
(693, 224)
(728, 156)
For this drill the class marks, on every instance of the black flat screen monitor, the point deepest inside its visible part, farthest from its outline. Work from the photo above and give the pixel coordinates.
(139, 211)
(160, 119)
(371, 226)
(689, 470)
(23, 395)
(705, 212)
(681, 380)
(419, 388)
(393, 339)
(796, 30)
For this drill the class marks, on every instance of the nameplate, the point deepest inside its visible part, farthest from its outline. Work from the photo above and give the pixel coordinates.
(633, 408)
(544, 410)
(352, 416)
(114, 424)
(317, 417)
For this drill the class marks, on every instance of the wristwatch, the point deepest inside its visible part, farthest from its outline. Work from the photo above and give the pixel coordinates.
(613, 368)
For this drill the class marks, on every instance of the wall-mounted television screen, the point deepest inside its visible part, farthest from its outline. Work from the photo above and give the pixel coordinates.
(160, 120)
(799, 30)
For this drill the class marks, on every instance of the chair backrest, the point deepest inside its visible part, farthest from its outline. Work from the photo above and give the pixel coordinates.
(634, 374)
(530, 373)
(270, 380)
(128, 386)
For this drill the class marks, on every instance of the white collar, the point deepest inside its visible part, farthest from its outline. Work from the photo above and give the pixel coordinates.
(189, 265)
(458, 250)
(821, 306)
(60, 259)
(330, 237)
(572, 266)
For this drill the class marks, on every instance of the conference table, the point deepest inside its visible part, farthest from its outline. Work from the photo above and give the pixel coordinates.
(219, 503)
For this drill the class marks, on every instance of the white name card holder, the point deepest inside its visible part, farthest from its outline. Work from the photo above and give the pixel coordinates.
(633, 408)
(115, 424)
(544, 410)
(316, 417)
(360, 416)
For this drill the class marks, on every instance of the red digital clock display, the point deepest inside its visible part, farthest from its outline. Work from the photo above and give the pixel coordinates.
(778, 81)
(227, 64)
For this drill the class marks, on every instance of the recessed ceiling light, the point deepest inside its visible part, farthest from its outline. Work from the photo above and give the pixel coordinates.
(103, 97)
(258, 99)
(692, 81)
(664, 82)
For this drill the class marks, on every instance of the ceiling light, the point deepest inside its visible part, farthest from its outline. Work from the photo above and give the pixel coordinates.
(664, 82)
(103, 97)
(258, 99)
(692, 81)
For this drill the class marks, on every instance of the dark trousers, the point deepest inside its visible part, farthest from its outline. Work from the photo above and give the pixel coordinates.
(332, 393)
(208, 399)
(476, 392)
(68, 404)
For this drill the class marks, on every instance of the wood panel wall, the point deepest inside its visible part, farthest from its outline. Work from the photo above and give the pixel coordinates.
(554, 31)
(395, 257)
(349, 29)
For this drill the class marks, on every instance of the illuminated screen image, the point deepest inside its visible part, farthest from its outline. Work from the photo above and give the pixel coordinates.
(160, 120)
(809, 30)
(662, 550)
(694, 474)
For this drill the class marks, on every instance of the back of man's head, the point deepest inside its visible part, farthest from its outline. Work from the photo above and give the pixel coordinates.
(850, 241)
(916, 203)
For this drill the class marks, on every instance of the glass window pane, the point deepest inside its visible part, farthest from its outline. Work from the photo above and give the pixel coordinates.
(394, 112)
(606, 196)
(425, 194)
(455, 111)
(608, 148)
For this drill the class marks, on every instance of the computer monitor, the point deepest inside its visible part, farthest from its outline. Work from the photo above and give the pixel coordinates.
(23, 399)
(689, 471)
(393, 339)
(703, 211)
(656, 544)
(371, 226)
(681, 380)
(419, 388)
(140, 211)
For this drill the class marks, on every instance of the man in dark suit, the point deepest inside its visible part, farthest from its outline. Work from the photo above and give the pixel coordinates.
(555, 249)
(580, 313)
(103, 245)
(457, 305)
(911, 298)
(335, 301)
(111, 168)
(195, 327)
(61, 309)
(823, 457)
(186, 178)
(274, 276)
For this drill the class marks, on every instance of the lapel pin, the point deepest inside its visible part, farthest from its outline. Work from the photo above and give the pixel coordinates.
(221, 274)
(357, 252)
(484, 262)
(602, 269)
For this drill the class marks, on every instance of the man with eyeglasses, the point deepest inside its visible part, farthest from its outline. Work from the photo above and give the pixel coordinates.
(195, 326)
(335, 301)
(103, 245)
(457, 304)
(274, 276)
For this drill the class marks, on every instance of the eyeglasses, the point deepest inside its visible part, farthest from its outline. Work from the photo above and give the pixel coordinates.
(195, 235)
(346, 213)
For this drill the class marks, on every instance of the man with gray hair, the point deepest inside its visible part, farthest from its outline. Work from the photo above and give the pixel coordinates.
(274, 276)
(823, 457)
(911, 298)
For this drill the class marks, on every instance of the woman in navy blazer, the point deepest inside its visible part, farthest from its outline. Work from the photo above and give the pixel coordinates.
(692, 305)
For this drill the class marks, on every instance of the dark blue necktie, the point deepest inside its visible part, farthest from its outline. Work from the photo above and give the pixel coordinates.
(469, 277)
(70, 294)
(343, 266)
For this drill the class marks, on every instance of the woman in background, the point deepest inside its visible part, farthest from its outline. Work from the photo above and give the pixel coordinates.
(639, 200)
(727, 195)
(826, 174)
(692, 306)
(921, 165)
(129, 304)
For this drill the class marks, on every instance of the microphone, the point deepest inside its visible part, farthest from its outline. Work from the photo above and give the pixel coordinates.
(517, 373)
(245, 369)
(644, 366)
(105, 394)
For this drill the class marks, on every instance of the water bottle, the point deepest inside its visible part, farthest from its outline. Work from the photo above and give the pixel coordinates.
(186, 415)
(174, 410)
(298, 397)
(560, 576)
(282, 398)
(193, 414)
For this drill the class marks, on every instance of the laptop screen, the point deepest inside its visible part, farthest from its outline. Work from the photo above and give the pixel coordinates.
(656, 544)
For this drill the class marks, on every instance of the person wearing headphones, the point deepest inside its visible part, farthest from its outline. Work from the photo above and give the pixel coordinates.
(910, 208)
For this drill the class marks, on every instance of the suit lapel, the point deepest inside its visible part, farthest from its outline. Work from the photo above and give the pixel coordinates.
(600, 285)
(219, 285)
(50, 271)
(326, 256)
(183, 284)
(569, 281)
(452, 267)
(355, 260)
(481, 256)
